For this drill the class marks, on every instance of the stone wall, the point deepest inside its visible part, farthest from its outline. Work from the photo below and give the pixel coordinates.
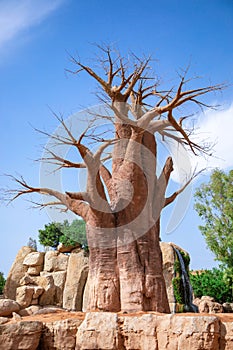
(106, 330)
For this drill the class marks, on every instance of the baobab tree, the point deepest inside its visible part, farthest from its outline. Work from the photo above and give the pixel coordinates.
(122, 204)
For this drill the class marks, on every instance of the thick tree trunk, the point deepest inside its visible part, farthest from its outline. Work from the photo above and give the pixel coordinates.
(142, 285)
(103, 272)
(123, 236)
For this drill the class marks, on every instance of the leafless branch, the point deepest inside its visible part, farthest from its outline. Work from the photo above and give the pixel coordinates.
(171, 198)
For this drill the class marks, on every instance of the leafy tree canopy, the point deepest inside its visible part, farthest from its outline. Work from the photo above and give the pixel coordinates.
(214, 204)
(68, 234)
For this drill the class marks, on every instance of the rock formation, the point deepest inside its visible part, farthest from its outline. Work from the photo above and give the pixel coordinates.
(44, 282)
(55, 278)
(207, 304)
(17, 271)
(7, 306)
(106, 330)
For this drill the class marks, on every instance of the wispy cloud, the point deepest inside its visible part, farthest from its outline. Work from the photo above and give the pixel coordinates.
(17, 16)
(215, 128)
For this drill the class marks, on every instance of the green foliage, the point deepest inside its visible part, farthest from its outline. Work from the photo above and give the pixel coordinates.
(211, 283)
(2, 282)
(186, 259)
(214, 204)
(74, 233)
(32, 243)
(50, 236)
(68, 234)
(177, 289)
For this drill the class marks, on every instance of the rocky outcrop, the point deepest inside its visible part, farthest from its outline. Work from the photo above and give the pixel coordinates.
(60, 334)
(28, 295)
(7, 306)
(77, 272)
(208, 305)
(17, 271)
(99, 330)
(55, 261)
(62, 280)
(107, 330)
(227, 307)
(20, 335)
(168, 271)
(34, 261)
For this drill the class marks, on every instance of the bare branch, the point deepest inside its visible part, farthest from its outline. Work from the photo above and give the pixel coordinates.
(61, 162)
(103, 83)
(77, 206)
(171, 198)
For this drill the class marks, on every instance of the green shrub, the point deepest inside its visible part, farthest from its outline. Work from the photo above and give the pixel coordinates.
(50, 236)
(2, 282)
(73, 233)
(178, 289)
(211, 283)
(68, 234)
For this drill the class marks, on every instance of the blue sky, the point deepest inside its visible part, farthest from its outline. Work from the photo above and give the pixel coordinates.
(36, 37)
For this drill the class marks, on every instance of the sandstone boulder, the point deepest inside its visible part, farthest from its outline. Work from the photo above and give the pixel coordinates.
(55, 261)
(67, 249)
(168, 271)
(59, 278)
(28, 295)
(7, 306)
(190, 332)
(99, 330)
(60, 334)
(208, 305)
(20, 335)
(139, 332)
(46, 286)
(26, 279)
(228, 307)
(35, 270)
(47, 283)
(38, 290)
(77, 272)
(17, 271)
(34, 259)
(24, 296)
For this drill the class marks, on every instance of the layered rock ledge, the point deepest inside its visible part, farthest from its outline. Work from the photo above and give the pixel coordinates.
(101, 330)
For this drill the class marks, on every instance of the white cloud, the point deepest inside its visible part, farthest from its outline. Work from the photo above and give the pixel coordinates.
(17, 16)
(214, 127)
(217, 127)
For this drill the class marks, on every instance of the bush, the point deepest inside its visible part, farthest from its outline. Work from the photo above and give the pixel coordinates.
(74, 233)
(2, 282)
(211, 283)
(50, 236)
(68, 234)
